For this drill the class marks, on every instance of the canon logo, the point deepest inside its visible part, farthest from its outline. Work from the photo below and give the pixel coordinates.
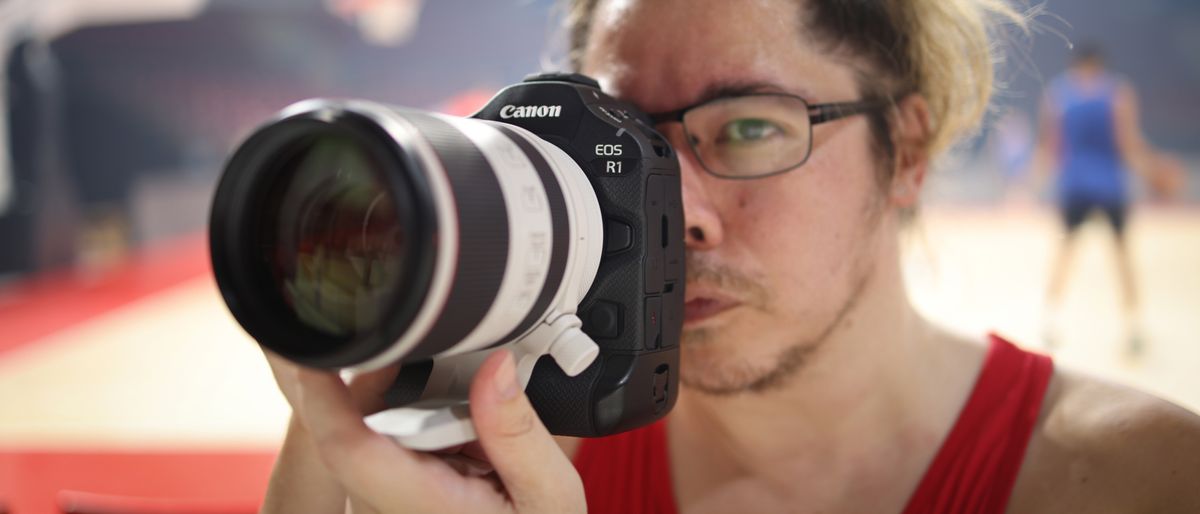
(530, 111)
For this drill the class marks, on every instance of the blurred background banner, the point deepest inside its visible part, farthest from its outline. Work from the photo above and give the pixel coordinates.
(124, 379)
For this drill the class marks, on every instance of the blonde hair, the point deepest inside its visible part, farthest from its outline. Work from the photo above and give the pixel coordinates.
(945, 50)
(954, 51)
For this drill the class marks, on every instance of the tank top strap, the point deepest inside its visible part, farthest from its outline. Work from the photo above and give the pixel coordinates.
(977, 465)
(973, 472)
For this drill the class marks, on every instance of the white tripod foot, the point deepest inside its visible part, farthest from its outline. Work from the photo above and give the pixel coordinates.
(426, 426)
(442, 418)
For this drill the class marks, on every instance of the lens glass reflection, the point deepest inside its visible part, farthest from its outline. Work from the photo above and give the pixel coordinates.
(332, 237)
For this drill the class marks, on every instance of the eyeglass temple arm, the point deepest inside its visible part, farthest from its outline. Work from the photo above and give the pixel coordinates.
(822, 113)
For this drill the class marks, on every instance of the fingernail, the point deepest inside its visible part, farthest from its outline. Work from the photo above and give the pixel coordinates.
(505, 378)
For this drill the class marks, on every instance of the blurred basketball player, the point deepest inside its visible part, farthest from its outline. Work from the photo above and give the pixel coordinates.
(1091, 135)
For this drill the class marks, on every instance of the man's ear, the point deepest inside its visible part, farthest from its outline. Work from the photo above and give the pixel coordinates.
(911, 134)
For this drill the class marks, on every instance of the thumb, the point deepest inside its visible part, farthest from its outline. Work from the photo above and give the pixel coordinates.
(534, 470)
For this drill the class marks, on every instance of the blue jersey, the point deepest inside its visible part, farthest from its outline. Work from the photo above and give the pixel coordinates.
(1092, 169)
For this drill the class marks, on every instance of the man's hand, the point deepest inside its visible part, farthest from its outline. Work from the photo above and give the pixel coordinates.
(515, 466)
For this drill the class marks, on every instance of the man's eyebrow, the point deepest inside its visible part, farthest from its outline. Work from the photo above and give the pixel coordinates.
(724, 89)
(728, 89)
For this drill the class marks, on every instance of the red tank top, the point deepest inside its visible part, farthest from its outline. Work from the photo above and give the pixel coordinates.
(973, 472)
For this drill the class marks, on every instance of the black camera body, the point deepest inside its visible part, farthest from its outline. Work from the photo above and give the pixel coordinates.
(347, 233)
(634, 309)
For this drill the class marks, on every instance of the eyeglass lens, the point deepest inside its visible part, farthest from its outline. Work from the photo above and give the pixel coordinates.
(750, 136)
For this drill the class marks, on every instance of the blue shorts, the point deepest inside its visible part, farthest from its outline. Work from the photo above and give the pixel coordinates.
(1076, 211)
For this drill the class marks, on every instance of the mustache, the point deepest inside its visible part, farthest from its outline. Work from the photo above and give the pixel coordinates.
(701, 270)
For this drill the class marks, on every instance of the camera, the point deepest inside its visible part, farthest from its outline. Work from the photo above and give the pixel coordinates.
(350, 234)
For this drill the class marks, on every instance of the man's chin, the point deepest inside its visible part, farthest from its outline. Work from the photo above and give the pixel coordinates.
(710, 377)
(717, 371)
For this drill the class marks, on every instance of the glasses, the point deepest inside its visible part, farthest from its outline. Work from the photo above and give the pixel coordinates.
(756, 135)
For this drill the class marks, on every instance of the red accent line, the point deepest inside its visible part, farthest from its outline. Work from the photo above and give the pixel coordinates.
(39, 306)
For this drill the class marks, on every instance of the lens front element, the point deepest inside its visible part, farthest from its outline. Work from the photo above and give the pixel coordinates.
(332, 238)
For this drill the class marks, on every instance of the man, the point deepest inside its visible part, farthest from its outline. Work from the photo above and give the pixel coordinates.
(809, 382)
(1091, 135)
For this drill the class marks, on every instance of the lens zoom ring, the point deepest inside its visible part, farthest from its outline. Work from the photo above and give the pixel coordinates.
(482, 235)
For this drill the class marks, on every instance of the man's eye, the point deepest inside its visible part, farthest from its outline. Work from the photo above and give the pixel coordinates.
(748, 130)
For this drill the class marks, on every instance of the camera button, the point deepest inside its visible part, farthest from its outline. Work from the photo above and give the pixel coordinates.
(617, 236)
(603, 321)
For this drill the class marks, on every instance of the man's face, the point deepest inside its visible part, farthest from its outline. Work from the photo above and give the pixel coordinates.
(774, 263)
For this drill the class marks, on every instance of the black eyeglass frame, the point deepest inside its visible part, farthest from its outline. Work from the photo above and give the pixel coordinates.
(817, 114)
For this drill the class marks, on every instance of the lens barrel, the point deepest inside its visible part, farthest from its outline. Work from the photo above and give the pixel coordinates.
(352, 234)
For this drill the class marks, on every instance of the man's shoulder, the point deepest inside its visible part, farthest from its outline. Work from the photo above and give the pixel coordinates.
(1102, 446)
